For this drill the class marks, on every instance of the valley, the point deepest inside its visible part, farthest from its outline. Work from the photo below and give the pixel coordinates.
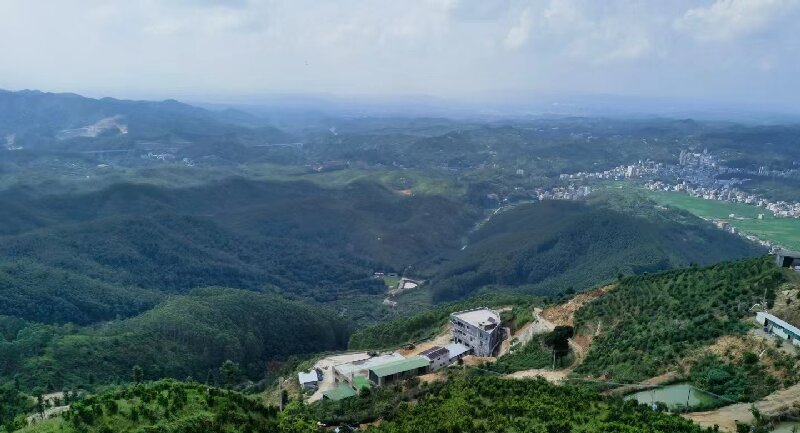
(183, 282)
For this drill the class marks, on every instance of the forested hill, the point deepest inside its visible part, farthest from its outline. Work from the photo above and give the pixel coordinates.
(551, 246)
(186, 335)
(70, 122)
(129, 243)
(651, 322)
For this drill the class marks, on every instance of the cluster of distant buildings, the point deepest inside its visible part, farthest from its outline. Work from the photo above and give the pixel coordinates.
(570, 192)
(621, 172)
(474, 332)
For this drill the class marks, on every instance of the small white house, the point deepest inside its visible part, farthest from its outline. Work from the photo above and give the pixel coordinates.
(308, 380)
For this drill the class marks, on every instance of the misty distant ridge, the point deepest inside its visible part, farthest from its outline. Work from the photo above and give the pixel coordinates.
(251, 109)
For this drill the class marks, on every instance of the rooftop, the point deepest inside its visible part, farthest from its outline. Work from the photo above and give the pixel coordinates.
(351, 368)
(434, 352)
(787, 253)
(306, 377)
(400, 366)
(479, 317)
(456, 349)
(361, 382)
(782, 323)
(339, 393)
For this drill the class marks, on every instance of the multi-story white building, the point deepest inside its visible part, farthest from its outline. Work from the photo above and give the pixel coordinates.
(478, 329)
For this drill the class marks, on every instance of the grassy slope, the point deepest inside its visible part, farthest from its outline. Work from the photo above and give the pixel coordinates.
(783, 231)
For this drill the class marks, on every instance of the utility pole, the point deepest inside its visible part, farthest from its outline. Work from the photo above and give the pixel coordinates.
(280, 393)
(554, 359)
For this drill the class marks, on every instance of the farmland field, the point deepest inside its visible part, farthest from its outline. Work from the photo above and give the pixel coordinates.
(782, 231)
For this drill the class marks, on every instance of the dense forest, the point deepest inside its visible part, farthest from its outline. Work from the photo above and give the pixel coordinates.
(184, 336)
(128, 244)
(549, 247)
(650, 322)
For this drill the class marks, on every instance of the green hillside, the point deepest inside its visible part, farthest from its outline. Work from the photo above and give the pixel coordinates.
(651, 321)
(137, 241)
(551, 246)
(466, 403)
(187, 335)
(164, 406)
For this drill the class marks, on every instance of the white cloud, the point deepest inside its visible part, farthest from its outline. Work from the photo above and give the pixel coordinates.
(450, 48)
(726, 20)
(518, 35)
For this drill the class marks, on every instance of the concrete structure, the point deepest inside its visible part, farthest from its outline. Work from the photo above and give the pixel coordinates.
(345, 373)
(478, 329)
(776, 326)
(457, 351)
(788, 259)
(308, 380)
(439, 357)
(392, 372)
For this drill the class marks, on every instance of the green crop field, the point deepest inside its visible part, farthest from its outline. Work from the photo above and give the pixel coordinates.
(783, 231)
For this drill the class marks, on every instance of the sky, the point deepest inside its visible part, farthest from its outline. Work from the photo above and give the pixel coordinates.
(744, 51)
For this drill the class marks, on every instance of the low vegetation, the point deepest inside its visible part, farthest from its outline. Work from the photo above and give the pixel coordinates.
(473, 403)
(543, 351)
(164, 406)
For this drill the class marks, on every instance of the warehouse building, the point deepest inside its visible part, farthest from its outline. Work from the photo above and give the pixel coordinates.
(778, 327)
(394, 371)
(346, 373)
(478, 329)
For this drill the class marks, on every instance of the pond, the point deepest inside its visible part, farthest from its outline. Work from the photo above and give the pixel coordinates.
(786, 427)
(674, 396)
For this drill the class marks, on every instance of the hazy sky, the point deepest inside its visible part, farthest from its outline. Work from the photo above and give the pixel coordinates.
(745, 50)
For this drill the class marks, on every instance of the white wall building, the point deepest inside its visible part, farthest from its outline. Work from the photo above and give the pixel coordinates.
(478, 329)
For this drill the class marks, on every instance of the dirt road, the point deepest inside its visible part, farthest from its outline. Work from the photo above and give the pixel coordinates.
(786, 401)
(441, 340)
(551, 376)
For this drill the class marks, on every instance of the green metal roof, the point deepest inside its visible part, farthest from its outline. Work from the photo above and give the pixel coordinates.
(361, 382)
(400, 366)
(340, 392)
